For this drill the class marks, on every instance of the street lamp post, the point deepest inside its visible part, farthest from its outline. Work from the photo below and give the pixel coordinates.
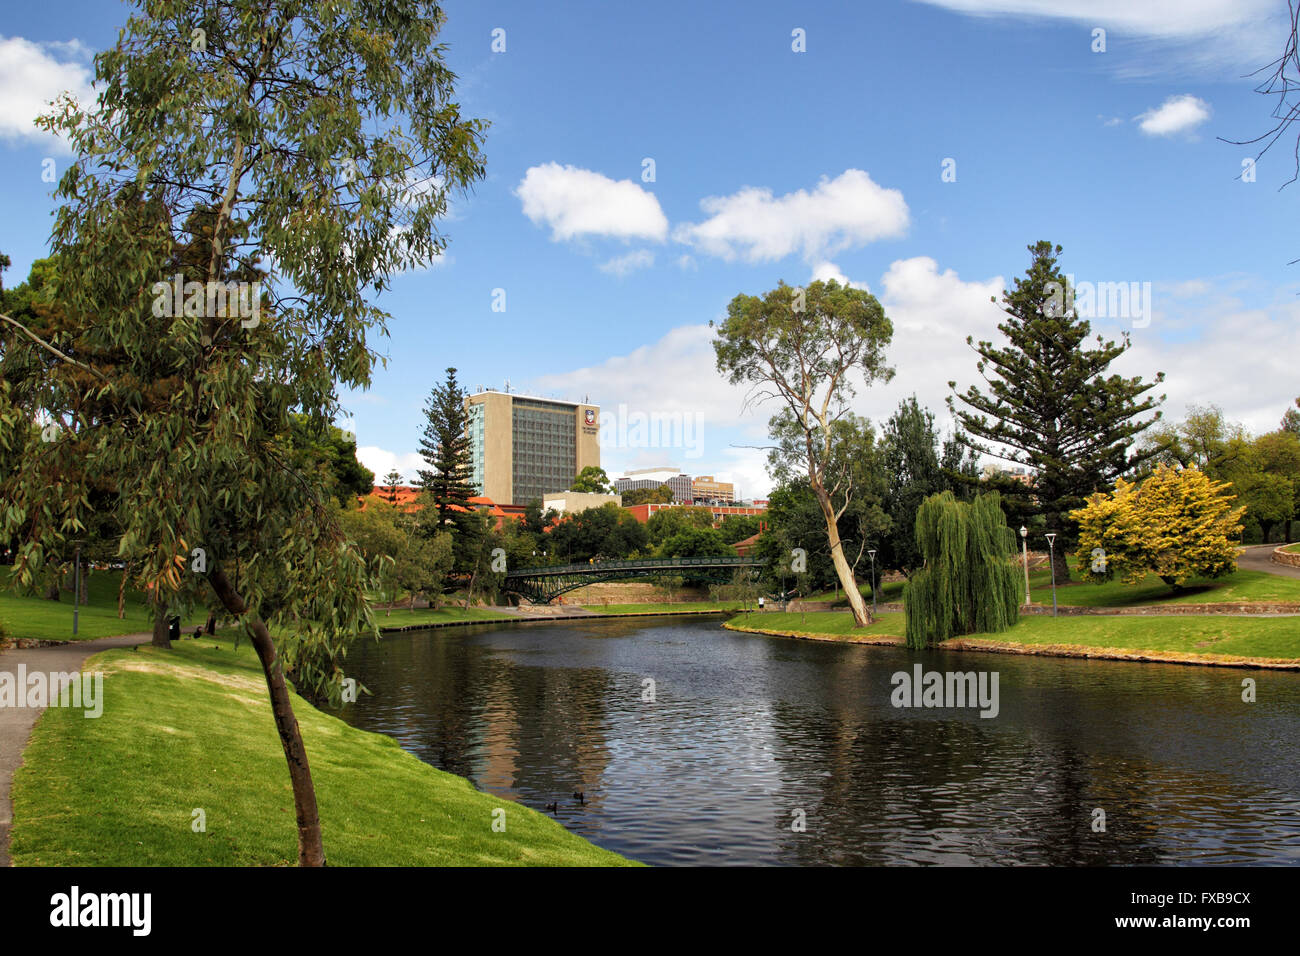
(76, 588)
(872, 552)
(1024, 547)
(1051, 549)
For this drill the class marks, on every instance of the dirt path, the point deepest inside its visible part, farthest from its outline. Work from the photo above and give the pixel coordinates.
(16, 722)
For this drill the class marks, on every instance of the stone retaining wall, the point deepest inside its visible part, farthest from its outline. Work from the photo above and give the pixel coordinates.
(631, 592)
(1158, 610)
(1289, 558)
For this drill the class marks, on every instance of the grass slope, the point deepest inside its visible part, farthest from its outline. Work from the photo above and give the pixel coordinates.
(191, 728)
(1277, 638)
(443, 615)
(1240, 587)
(32, 616)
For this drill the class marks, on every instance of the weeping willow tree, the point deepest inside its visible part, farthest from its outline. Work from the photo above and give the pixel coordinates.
(969, 582)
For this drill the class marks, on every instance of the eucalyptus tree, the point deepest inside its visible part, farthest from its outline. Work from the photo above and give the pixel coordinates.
(250, 178)
(808, 349)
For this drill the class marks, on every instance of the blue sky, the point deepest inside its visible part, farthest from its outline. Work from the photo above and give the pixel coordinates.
(773, 164)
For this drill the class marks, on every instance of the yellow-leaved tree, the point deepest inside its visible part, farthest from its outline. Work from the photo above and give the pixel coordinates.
(1177, 524)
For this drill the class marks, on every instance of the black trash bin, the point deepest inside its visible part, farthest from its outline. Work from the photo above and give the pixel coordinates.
(174, 629)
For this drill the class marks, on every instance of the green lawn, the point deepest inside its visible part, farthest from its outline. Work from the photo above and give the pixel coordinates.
(34, 617)
(191, 728)
(1238, 587)
(401, 617)
(1292, 548)
(889, 591)
(1244, 636)
(662, 608)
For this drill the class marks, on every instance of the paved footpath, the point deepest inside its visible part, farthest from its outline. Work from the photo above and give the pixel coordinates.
(1259, 557)
(16, 722)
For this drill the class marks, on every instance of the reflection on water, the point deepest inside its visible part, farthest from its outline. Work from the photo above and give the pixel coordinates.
(746, 730)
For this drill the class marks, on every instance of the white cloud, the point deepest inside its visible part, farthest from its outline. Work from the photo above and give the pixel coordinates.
(1158, 18)
(576, 203)
(1216, 350)
(1178, 114)
(685, 263)
(932, 313)
(32, 75)
(826, 271)
(381, 461)
(1168, 36)
(624, 265)
(752, 224)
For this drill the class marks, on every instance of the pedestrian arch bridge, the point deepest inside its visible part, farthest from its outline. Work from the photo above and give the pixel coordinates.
(542, 585)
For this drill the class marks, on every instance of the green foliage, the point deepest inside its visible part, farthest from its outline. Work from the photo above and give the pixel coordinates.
(211, 163)
(695, 543)
(915, 467)
(666, 522)
(605, 533)
(739, 527)
(646, 496)
(970, 582)
(332, 452)
(592, 480)
(1178, 524)
(807, 348)
(1050, 405)
(392, 481)
(444, 445)
(1264, 471)
(1291, 419)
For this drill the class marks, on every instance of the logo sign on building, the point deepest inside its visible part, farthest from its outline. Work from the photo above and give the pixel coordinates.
(591, 416)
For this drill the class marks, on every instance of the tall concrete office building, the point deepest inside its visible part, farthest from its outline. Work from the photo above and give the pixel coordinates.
(522, 447)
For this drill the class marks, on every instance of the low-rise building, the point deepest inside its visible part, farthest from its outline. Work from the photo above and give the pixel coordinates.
(650, 478)
(644, 512)
(704, 488)
(571, 502)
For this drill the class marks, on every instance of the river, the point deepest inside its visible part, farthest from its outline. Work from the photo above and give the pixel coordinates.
(761, 750)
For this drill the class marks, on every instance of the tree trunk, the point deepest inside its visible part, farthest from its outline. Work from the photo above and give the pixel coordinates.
(211, 624)
(52, 591)
(311, 847)
(160, 636)
(83, 582)
(861, 613)
(121, 597)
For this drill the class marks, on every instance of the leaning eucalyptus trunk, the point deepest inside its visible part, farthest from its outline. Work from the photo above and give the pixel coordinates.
(161, 637)
(311, 846)
(844, 573)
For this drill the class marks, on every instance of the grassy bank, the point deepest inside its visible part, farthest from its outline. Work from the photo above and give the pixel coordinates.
(400, 617)
(191, 728)
(1270, 638)
(683, 607)
(32, 616)
(1240, 587)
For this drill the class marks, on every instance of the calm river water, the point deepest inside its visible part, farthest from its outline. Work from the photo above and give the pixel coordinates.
(749, 735)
